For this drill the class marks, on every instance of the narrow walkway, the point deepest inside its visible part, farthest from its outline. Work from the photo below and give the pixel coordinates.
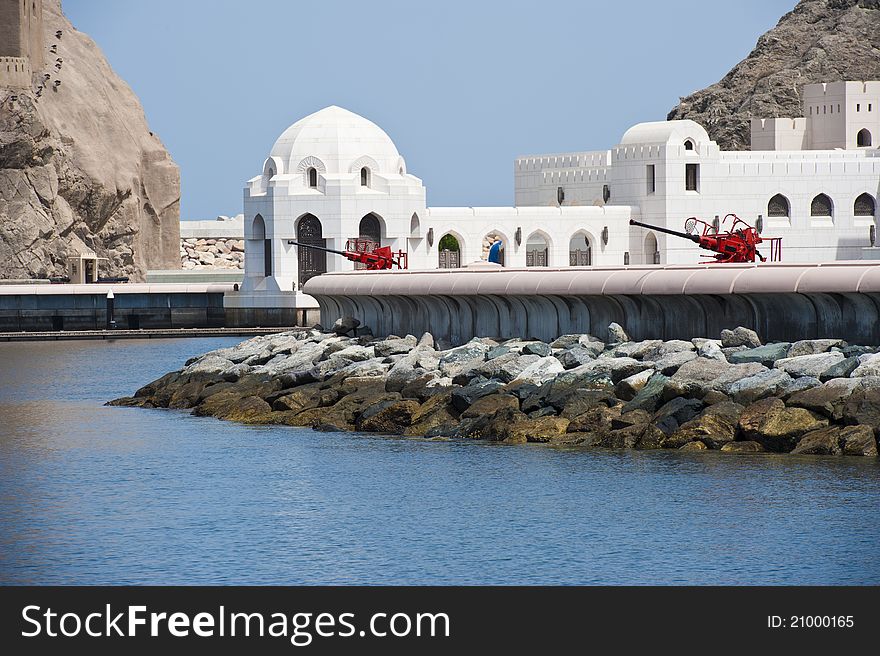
(157, 333)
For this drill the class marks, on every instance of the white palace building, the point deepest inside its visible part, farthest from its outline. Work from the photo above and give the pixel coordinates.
(334, 175)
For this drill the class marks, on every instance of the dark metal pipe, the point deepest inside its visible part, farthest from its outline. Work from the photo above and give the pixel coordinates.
(675, 233)
(317, 248)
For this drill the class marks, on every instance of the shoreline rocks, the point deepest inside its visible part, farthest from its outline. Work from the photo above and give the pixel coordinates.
(574, 391)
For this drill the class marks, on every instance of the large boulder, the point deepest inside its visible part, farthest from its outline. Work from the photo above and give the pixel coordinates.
(627, 388)
(616, 334)
(649, 397)
(766, 355)
(464, 397)
(391, 417)
(740, 336)
(869, 365)
(575, 356)
(345, 325)
(716, 426)
(669, 363)
(746, 446)
(537, 348)
(863, 407)
(777, 427)
(395, 345)
(770, 382)
(637, 350)
(490, 404)
(676, 412)
(813, 346)
(809, 365)
(505, 367)
(468, 356)
(541, 371)
(858, 441)
(541, 429)
(842, 369)
(822, 442)
(827, 399)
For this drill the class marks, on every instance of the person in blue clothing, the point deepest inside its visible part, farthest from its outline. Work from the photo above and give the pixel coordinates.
(496, 252)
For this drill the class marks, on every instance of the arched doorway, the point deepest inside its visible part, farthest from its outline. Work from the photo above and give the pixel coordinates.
(311, 262)
(580, 250)
(537, 250)
(488, 241)
(449, 252)
(863, 138)
(652, 255)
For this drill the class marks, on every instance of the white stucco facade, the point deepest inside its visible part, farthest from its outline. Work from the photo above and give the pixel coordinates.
(334, 175)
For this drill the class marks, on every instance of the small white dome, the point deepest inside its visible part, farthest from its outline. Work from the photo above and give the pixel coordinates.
(665, 132)
(340, 141)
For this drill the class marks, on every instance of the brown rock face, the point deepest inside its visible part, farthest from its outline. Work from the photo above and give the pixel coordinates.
(79, 167)
(819, 41)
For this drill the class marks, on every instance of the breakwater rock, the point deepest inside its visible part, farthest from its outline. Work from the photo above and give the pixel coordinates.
(732, 394)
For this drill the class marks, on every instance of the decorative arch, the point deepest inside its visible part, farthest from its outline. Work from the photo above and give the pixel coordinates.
(778, 206)
(261, 243)
(652, 253)
(688, 144)
(415, 228)
(538, 249)
(822, 206)
(401, 166)
(863, 138)
(258, 227)
(361, 162)
(864, 205)
(310, 167)
(270, 169)
(310, 262)
(580, 249)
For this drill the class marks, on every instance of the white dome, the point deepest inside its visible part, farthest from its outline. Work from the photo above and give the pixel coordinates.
(665, 132)
(340, 141)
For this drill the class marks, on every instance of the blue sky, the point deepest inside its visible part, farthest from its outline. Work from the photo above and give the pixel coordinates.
(461, 87)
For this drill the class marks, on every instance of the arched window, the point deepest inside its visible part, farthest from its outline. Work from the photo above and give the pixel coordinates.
(688, 144)
(414, 226)
(313, 177)
(864, 205)
(778, 206)
(580, 250)
(365, 177)
(370, 229)
(821, 206)
(537, 250)
(863, 138)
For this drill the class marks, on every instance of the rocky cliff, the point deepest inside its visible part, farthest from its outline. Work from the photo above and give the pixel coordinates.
(819, 41)
(80, 169)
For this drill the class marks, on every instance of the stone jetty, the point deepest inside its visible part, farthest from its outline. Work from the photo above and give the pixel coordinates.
(732, 394)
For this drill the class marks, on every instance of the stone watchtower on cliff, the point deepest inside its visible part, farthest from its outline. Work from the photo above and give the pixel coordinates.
(21, 41)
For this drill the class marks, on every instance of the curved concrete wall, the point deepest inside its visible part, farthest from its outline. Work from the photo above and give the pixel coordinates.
(780, 301)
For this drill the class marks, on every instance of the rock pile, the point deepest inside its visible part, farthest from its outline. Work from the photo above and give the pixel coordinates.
(220, 252)
(733, 395)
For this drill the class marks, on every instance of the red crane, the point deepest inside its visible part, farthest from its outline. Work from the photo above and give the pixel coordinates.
(738, 244)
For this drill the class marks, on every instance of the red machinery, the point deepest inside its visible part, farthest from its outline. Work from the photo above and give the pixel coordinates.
(366, 252)
(738, 244)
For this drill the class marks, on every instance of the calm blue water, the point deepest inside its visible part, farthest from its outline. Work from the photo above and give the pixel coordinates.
(90, 494)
